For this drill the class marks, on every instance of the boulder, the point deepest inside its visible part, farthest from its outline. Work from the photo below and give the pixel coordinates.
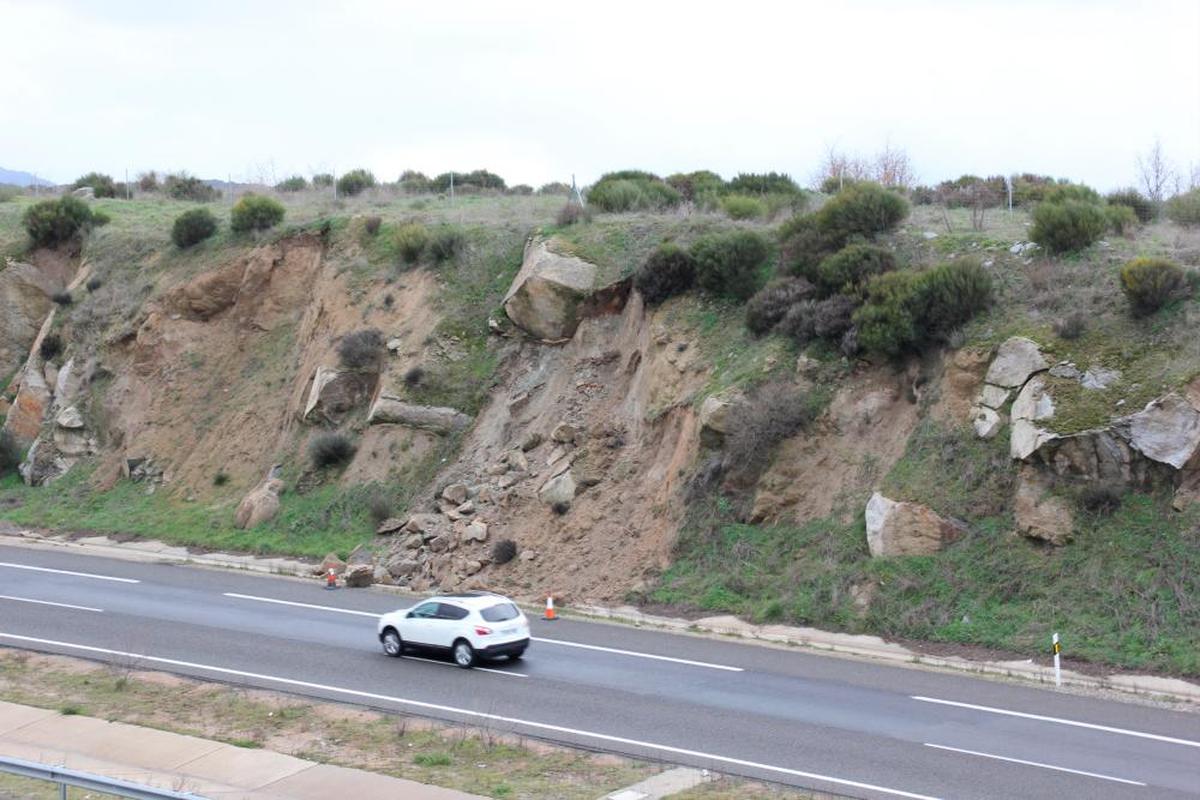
(564, 433)
(69, 418)
(388, 409)
(714, 420)
(423, 523)
(1039, 513)
(986, 421)
(559, 489)
(477, 531)
(401, 567)
(359, 576)
(1016, 360)
(336, 392)
(994, 396)
(260, 505)
(455, 494)
(84, 193)
(1033, 405)
(531, 440)
(1167, 430)
(390, 525)
(553, 292)
(904, 529)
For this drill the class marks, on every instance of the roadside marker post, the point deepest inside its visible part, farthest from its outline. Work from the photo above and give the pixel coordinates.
(1057, 667)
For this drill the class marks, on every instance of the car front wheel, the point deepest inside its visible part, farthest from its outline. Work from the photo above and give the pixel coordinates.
(392, 644)
(464, 654)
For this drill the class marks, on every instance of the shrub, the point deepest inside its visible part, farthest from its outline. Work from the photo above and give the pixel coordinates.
(446, 243)
(1142, 206)
(361, 349)
(192, 227)
(804, 245)
(62, 298)
(852, 266)
(51, 223)
(886, 322)
(410, 240)
(413, 377)
(554, 188)
(379, 507)
(355, 182)
(697, 187)
(371, 225)
(771, 413)
(740, 206)
(93, 284)
(296, 183)
(1072, 326)
(862, 209)
(797, 322)
(572, 213)
(1031, 189)
(1150, 283)
(322, 180)
(51, 347)
(101, 185)
(475, 179)
(1184, 209)
(632, 190)
(669, 270)
(1121, 219)
(221, 478)
(907, 310)
(10, 453)
(832, 317)
(413, 182)
(521, 189)
(148, 182)
(1101, 500)
(187, 187)
(949, 295)
(254, 212)
(1068, 192)
(1068, 226)
(330, 450)
(772, 302)
(922, 195)
(729, 265)
(504, 551)
(763, 183)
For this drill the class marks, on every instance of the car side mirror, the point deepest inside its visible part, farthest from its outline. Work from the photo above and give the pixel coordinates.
(409, 615)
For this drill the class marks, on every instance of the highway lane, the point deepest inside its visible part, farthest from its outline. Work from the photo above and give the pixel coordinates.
(842, 726)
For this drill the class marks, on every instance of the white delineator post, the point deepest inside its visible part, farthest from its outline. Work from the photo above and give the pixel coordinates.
(1057, 667)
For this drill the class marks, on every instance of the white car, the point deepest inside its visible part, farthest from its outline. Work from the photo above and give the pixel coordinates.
(470, 626)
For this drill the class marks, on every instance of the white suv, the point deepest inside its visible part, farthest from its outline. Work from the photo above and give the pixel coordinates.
(469, 626)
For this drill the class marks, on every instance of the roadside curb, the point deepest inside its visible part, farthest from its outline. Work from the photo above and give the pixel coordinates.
(846, 645)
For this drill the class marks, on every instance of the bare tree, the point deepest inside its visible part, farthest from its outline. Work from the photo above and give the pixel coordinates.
(1155, 172)
(837, 168)
(893, 168)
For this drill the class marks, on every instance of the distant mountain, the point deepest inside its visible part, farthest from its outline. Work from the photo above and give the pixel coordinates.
(17, 178)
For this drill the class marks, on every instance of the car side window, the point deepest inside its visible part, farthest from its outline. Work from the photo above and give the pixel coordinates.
(451, 612)
(426, 611)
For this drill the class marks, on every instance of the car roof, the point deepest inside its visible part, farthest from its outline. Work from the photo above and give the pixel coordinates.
(470, 599)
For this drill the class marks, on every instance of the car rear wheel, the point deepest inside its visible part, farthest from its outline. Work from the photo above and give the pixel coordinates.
(464, 654)
(393, 645)
(516, 656)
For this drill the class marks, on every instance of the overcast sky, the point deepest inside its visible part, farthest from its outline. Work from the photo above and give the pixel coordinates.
(538, 91)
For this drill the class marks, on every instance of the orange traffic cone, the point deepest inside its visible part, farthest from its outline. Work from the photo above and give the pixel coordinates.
(331, 579)
(550, 615)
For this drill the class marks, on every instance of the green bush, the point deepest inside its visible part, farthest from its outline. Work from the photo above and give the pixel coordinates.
(413, 182)
(296, 183)
(322, 180)
(355, 182)
(949, 295)
(830, 319)
(446, 243)
(330, 450)
(861, 209)
(475, 179)
(740, 206)
(1066, 192)
(192, 227)
(730, 265)
(763, 183)
(632, 190)
(905, 311)
(670, 270)
(410, 241)
(804, 244)
(886, 322)
(557, 188)
(702, 186)
(1142, 206)
(148, 182)
(188, 187)
(1151, 283)
(572, 213)
(852, 266)
(771, 303)
(1029, 189)
(1122, 220)
(51, 223)
(101, 185)
(362, 349)
(253, 212)
(1184, 209)
(1068, 226)
(51, 347)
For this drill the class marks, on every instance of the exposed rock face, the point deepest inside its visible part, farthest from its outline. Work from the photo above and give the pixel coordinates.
(25, 292)
(1040, 514)
(393, 410)
(335, 392)
(553, 292)
(260, 505)
(1016, 360)
(1167, 430)
(905, 529)
(28, 410)
(1033, 405)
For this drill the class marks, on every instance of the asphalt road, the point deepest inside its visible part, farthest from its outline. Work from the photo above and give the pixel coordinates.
(847, 727)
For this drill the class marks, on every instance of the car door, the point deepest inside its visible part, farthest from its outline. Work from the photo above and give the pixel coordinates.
(447, 626)
(418, 624)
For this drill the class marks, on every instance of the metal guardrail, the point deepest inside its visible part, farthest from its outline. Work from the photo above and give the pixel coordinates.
(85, 780)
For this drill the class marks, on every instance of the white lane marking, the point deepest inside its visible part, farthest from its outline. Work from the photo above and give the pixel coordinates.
(1060, 721)
(545, 726)
(370, 614)
(480, 669)
(1035, 764)
(689, 662)
(69, 572)
(48, 603)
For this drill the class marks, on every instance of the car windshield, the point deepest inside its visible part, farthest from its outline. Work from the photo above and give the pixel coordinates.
(500, 612)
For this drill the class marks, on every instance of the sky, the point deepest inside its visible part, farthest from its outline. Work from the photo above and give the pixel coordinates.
(541, 91)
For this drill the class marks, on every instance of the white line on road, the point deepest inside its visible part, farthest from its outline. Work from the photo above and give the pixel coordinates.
(372, 614)
(68, 572)
(1035, 764)
(689, 662)
(48, 603)
(662, 748)
(1060, 721)
(480, 669)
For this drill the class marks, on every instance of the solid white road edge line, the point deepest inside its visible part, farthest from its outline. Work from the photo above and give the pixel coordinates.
(370, 614)
(48, 603)
(1034, 764)
(480, 669)
(69, 572)
(687, 661)
(1060, 721)
(604, 737)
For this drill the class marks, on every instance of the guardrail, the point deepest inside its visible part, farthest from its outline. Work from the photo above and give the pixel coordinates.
(85, 780)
